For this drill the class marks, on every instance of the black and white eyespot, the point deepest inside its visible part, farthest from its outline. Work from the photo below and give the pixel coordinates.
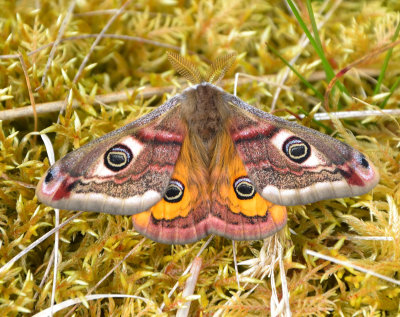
(174, 192)
(50, 175)
(117, 157)
(244, 188)
(296, 149)
(363, 161)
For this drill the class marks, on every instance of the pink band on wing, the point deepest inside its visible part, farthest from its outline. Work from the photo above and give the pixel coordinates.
(252, 132)
(150, 134)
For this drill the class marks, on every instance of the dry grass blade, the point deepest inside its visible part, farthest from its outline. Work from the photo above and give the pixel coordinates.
(32, 99)
(190, 286)
(185, 68)
(9, 264)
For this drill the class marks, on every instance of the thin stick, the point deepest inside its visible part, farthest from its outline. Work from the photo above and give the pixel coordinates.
(70, 302)
(57, 41)
(284, 286)
(112, 11)
(370, 238)
(276, 305)
(55, 269)
(94, 44)
(52, 160)
(98, 39)
(12, 114)
(31, 98)
(46, 274)
(353, 266)
(20, 183)
(129, 38)
(95, 35)
(235, 263)
(351, 114)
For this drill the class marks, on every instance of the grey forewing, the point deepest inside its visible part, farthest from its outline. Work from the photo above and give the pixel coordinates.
(335, 150)
(76, 162)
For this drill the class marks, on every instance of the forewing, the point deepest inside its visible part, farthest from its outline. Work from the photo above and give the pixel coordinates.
(123, 172)
(292, 165)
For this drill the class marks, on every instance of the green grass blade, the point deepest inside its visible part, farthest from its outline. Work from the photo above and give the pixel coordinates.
(314, 25)
(392, 89)
(328, 69)
(385, 63)
(303, 80)
(315, 43)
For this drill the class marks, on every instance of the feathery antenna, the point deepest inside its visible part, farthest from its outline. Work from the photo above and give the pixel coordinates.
(219, 68)
(189, 71)
(185, 68)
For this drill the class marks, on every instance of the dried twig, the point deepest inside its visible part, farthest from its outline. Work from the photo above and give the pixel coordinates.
(112, 11)
(98, 39)
(75, 301)
(188, 268)
(147, 92)
(95, 35)
(46, 274)
(23, 184)
(47, 107)
(353, 266)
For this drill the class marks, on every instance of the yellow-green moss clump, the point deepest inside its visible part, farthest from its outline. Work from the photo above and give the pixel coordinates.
(126, 76)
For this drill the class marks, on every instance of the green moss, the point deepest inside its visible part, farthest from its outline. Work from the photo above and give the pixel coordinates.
(91, 245)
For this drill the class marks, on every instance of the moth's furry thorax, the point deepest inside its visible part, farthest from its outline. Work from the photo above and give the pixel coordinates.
(205, 112)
